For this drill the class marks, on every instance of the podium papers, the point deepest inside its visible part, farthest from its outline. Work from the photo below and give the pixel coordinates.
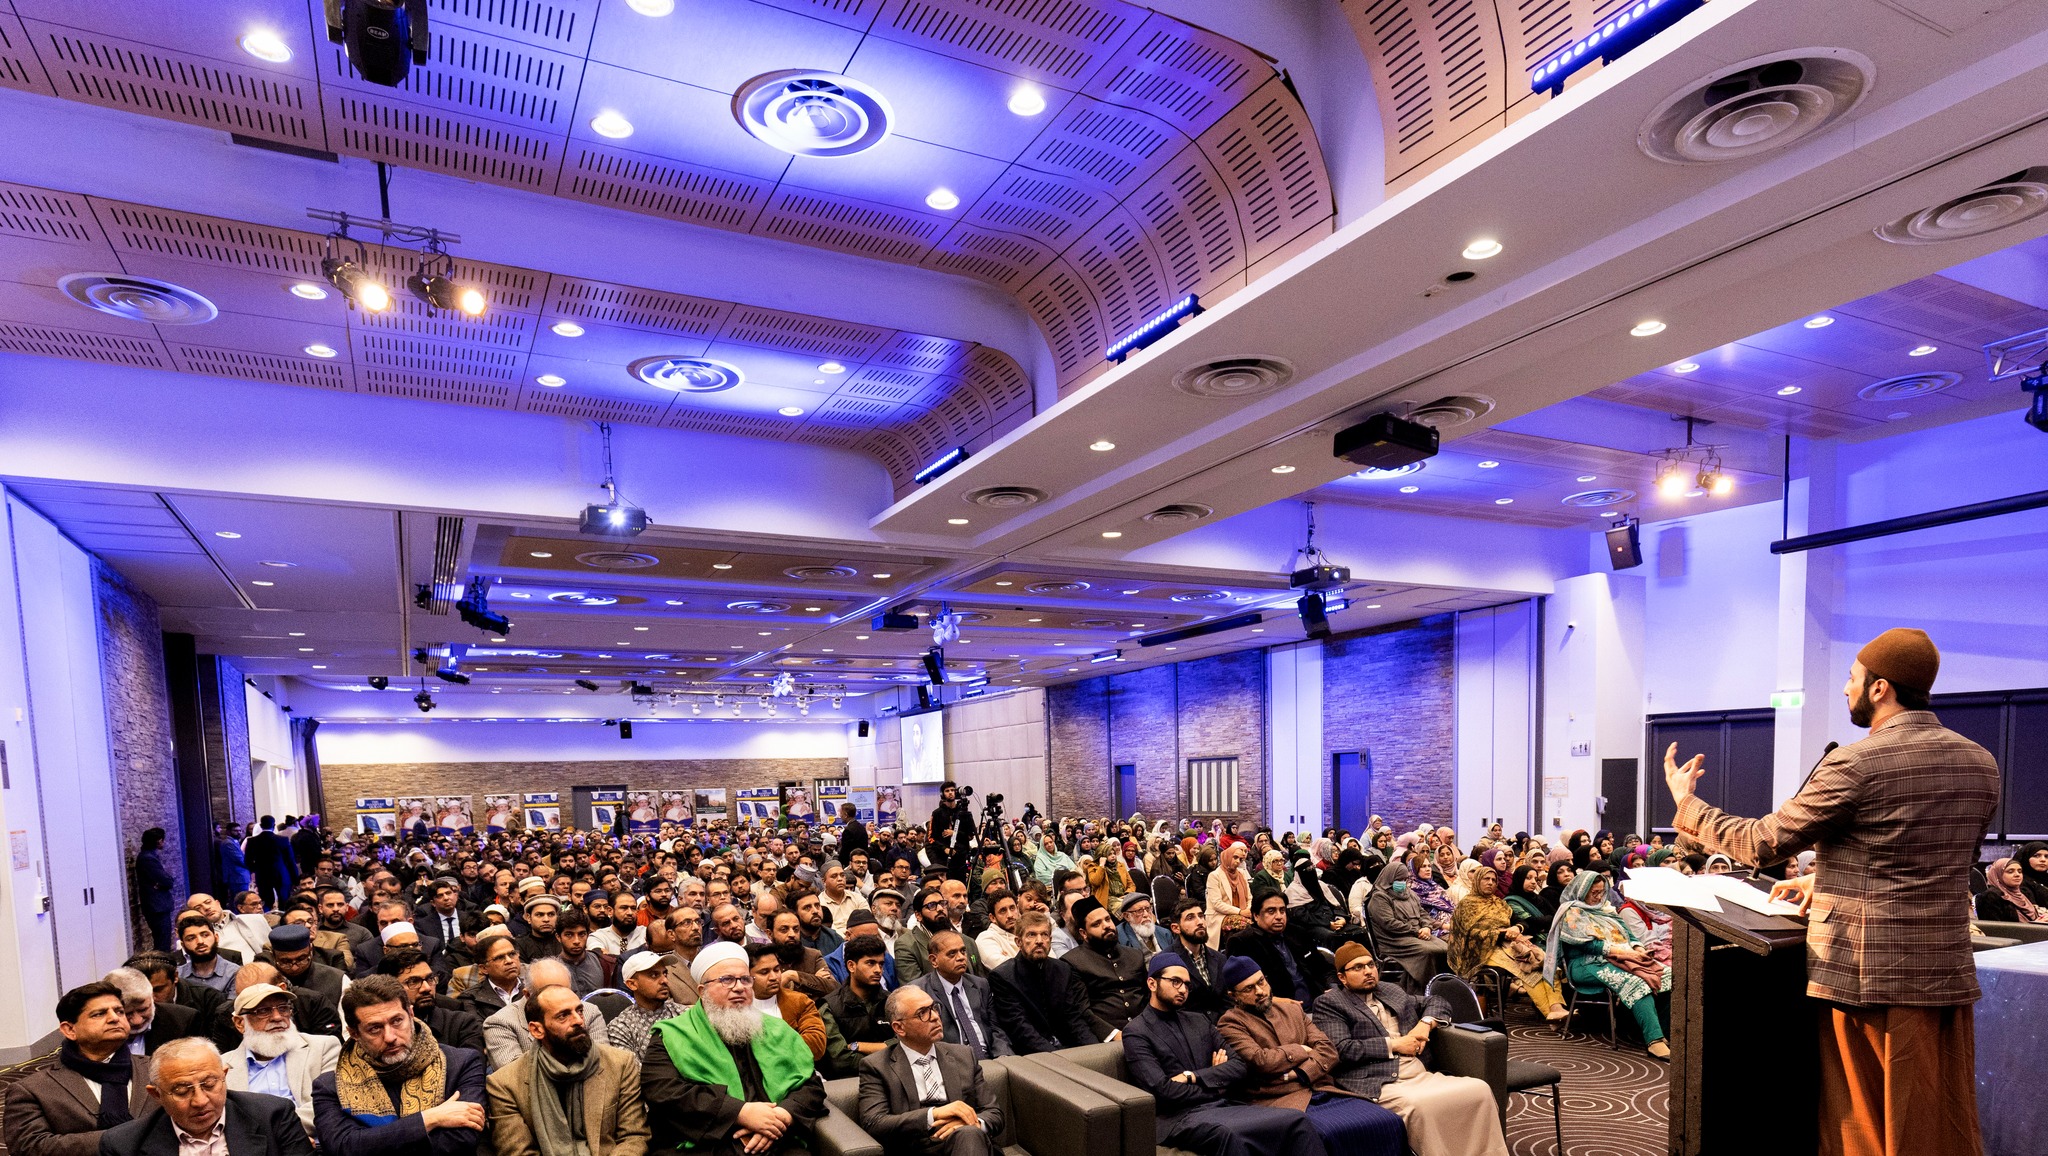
(1670, 888)
(1741, 894)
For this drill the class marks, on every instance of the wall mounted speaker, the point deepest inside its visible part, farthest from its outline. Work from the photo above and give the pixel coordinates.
(1625, 545)
(863, 732)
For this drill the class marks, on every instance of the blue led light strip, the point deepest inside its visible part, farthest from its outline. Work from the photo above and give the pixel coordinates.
(1617, 34)
(1154, 329)
(946, 461)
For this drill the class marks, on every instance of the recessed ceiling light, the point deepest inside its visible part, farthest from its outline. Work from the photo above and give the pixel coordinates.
(721, 565)
(652, 7)
(1006, 583)
(831, 367)
(1112, 533)
(1409, 489)
(540, 554)
(1173, 648)
(1027, 101)
(860, 638)
(1059, 644)
(1034, 620)
(296, 633)
(1921, 350)
(552, 380)
(1258, 630)
(1372, 606)
(1489, 465)
(225, 534)
(956, 521)
(640, 628)
(1899, 416)
(942, 199)
(265, 45)
(309, 291)
(275, 565)
(305, 650)
(812, 609)
(1283, 469)
(791, 411)
(319, 350)
(763, 633)
(322, 666)
(521, 594)
(1589, 477)
(610, 123)
(567, 329)
(1646, 329)
(1788, 391)
(1102, 447)
(1503, 501)
(1610, 513)
(1685, 367)
(883, 574)
(1821, 322)
(261, 582)
(737, 646)
(1481, 249)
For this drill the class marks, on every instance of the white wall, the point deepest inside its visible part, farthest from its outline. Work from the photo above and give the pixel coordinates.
(479, 741)
(1496, 711)
(278, 779)
(1294, 735)
(1711, 610)
(996, 743)
(1593, 678)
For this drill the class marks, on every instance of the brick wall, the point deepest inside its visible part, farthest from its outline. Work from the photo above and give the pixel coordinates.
(1077, 725)
(224, 722)
(343, 783)
(1391, 694)
(1157, 719)
(138, 705)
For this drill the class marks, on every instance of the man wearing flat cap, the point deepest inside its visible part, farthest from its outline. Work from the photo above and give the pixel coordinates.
(1896, 820)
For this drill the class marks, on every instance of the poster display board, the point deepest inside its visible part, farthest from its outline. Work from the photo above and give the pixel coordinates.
(604, 808)
(888, 804)
(643, 812)
(543, 810)
(796, 803)
(499, 813)
(411, 811)
(759, 805)
(678, 808)
(376, 817)
(863, 800)
(830, 796)
(709, 804)
(452, 816)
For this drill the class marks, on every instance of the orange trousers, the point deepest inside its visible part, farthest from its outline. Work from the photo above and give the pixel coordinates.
(1899, 1081)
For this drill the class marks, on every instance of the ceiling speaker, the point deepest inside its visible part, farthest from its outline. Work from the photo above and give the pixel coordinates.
(1234, 377)
(1178, 512)
(1447, 412)
(1005, 497)
(1910, 385)
(1755, 107)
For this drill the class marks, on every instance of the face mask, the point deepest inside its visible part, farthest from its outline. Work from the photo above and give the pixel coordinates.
(1400, 888)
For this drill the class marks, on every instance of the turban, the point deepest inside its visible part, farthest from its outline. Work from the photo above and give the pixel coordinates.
(1162, 961)
(714, 954)
(1236, 969)
(1903, 657)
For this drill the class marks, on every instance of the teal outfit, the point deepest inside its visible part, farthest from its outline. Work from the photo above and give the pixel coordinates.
(1580, 937)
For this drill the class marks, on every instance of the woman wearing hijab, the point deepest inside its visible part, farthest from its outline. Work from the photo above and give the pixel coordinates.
(2005, 899)
(1347, 877)
(1382, 842)
(1555, 880)
(1525, 899)
(1580, 844)
(1401, 929)
(1591, 945)
(1462, 886)
(1049, 860)
(2033, 861)
(1273, 873)
(1318, 909)
(1484, 934)
(1436, 902)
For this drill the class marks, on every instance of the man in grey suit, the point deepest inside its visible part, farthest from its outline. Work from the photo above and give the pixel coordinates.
(922, 1096)
(96, 1084)
(276, 1058)
(965, 1005)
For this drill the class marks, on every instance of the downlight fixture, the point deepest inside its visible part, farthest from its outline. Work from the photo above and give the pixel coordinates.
(614, 517)
(812, 114)
(138, 298)
(2009, 201)
(1757, 106)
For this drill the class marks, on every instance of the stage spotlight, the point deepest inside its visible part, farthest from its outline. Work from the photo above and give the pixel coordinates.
(419, 655)
(382, 38)
(586, 684)
(379, 682)
(450, 674)
(1314, 623)
(475, 610)
(362, 289)
(424, 701)
(433, 282)
(935, 666)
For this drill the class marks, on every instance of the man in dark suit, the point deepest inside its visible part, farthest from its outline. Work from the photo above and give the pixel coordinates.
(1039, 1001)
(923, 1096)
(269, 857)
(189, 1083)
(965, 1005)
(443, 1016)
(153, 884)
(355, 1112)
(306, 844)
(1295, 972)
(1180, 1057)
(1113, 973)
(291, 951)
(151, 1025)
(64, 1110)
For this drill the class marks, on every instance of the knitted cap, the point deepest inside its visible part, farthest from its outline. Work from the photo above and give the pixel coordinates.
(1903, 657)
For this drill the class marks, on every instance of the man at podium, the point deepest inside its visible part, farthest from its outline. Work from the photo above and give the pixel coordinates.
(1896, 820)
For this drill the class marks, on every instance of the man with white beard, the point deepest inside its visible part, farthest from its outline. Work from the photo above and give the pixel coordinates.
(276, 1058)
(1139, 927)
(725, 1079)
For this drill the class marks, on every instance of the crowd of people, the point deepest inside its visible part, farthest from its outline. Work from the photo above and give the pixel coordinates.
(569, 993)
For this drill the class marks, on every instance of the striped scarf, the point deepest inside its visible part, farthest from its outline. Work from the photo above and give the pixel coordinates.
(359, 1084)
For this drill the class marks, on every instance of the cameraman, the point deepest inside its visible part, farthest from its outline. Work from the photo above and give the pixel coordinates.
(952, 829)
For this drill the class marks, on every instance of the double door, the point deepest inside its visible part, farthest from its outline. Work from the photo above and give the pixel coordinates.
(1739, 746)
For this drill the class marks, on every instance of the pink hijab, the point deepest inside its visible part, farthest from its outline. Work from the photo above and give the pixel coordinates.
(1994, 882)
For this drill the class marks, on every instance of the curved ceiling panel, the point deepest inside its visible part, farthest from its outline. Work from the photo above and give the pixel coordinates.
(546, 344)
(1165, 159)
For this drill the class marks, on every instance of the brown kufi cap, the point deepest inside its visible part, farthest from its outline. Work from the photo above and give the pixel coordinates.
(1903, 657)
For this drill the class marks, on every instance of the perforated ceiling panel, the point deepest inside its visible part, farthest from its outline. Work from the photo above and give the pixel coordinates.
(1167, 159)
(544, 344)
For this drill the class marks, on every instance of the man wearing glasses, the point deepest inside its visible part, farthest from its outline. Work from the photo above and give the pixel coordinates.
(196, 1114)
(1179, 1055)
(276, 1058)
(725, 1078)
(1381, 1034)
(913, 949)
(1290, 1062)
(922, 1096)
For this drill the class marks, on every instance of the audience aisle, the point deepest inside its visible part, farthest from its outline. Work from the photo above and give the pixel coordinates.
(1615, 1102)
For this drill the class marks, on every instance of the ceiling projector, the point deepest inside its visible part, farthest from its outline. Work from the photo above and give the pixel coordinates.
(1386, 442)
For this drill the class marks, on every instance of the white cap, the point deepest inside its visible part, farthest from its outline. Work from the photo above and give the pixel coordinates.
(393, 930)
(638, 962)
(714, 954)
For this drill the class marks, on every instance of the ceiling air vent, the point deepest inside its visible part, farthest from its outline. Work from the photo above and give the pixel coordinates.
(2019, 197)
(686, 374)
(1755, 107)
(1595, 499)
(1446, 412)
(1062, 587)
(583, 598)
(1911, 385)
(1098, 624)
(138, 298)
(821, 573)
(758, 606)
(1200, 596)
(1234, 377)
(812, 114)
(1179, 512)
(1396, 472)
(617, 560)
(1005, 497)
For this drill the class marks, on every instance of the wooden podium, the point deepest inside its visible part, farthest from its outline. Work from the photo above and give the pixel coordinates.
(1745, 1039)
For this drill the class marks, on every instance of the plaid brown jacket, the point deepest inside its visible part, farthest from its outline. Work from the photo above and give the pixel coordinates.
(1896, 820)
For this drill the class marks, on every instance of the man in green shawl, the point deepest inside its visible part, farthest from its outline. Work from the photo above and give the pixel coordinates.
(724, 1079)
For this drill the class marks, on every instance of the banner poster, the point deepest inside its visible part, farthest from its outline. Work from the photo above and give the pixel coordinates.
(499, 811)
(604, 808)
(888, 804)
(677, 808)
(759, 804)
(452, 815)
(411, 811)
(863, 800)
(376, 817)
(543, 810)
(830, 796)
(709, 804)
(796, 803)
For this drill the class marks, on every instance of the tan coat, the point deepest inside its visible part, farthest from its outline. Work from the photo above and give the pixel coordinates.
(1896, 819)
(1274, 1046)
(615, 1118)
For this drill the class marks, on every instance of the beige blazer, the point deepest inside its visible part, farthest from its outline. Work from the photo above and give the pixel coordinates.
(312, 1056)
(615, 1119)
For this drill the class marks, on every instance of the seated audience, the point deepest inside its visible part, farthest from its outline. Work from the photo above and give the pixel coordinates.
(965, 1005)
(997, 944)
(1381, 1034)
(1294, 972)
(95, 1085)
(274, 1057)
(1112, 973)
(622, 934)
(856, 1025)
(922, 1096)
(310, 1013)
(1403, 933)
(291, 952)
(505, 1035)
(1139, 926)
(1484, 934)
(451, 1024)
(685, 940)
(774, 997)
(151, 1024)
(589, 970)
(196, 1113)
(1041, 1005)
(1178, 1055)
(1289, 1061)
(1591, 946)
(396, 1091)
(1525, 903)
(204, 964)
(645, 975)
(804, 969)
(913, 946)
(210, 1008)
(570, 1095)
(2005, 898)
(501, 975)
(2033, 861)
(725, 1079)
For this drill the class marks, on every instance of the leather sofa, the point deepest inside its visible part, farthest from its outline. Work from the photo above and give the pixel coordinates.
(1044, 1114)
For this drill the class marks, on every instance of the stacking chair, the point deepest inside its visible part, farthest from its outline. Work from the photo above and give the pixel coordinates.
(1579, 997)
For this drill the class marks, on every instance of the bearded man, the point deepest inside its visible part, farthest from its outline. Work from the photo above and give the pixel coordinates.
(1140, 926)
(276, 1058)
(1112, 973)
(394, 1074)
(1290, 1061)
(570, 1095)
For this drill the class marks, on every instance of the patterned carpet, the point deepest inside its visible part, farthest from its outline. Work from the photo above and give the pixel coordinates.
(1614, 1101)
